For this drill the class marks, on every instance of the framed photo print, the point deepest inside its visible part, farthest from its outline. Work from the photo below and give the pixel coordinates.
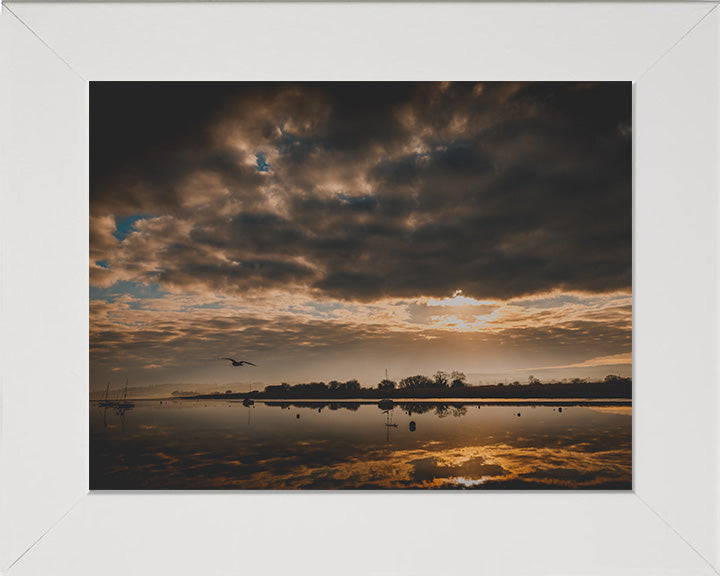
(360, 285)
(282, 281)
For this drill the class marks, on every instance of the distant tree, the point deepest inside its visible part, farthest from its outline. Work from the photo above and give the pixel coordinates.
(533, 381)
(457, 379)
(515, 383)
(228, 391)
(335, 385)
(441, 379)
(278, 389)
(352, 385)
(310, 387)
(500, 384)
(386, 384)
(418, 381)
(578, 381)
(615, 379)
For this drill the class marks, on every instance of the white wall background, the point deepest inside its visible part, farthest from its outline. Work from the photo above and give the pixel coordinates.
(47, 55)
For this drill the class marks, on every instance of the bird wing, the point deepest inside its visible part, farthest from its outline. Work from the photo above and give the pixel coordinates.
(231, 360)
(246, 362)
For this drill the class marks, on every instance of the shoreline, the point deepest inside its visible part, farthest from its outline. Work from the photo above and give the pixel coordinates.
(531, 393)
(315, 402)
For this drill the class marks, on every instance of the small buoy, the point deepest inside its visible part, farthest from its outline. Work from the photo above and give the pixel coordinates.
(412, 426)
(297, 416)
(518, 414)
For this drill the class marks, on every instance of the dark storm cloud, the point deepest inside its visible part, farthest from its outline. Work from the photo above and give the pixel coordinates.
(366, 190)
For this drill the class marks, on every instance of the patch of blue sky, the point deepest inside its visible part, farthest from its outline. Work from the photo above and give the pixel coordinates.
(551, 302)
(217, 305)
(328, 306)
(102, 263)
(126, 224)
(365, 202)
(261, 161)
(317, 309)
(563, 299)
(127, 288)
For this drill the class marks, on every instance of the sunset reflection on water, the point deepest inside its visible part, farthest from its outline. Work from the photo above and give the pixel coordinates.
(225, 445)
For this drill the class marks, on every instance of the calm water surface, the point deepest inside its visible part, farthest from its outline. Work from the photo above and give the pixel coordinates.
(214, 444)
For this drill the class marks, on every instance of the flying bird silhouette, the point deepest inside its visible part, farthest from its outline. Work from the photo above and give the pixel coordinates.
(236, 363)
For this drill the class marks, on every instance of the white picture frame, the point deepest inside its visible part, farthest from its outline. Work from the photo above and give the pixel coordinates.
(51, 524)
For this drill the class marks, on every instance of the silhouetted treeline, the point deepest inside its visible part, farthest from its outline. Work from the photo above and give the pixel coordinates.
(441, 386)
(311, 388)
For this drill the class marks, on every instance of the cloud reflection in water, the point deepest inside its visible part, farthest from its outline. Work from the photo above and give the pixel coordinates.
(220, 445)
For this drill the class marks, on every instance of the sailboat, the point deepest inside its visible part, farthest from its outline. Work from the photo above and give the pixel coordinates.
(125, 404)
(107, 402)
(248, 401)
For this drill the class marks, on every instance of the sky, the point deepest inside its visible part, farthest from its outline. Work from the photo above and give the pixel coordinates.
(329, 231)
